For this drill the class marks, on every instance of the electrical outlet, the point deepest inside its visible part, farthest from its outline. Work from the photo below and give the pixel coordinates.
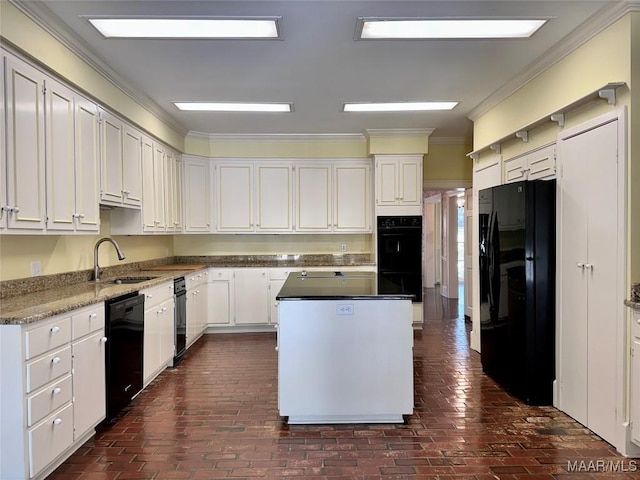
(36, 268)
(343, 247)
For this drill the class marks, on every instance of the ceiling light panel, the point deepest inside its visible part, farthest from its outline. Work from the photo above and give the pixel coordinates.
(235, 107)
(183, 27)
(398, 106)
(445, 28)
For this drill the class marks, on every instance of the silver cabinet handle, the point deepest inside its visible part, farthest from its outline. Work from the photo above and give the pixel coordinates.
(56, 391)
(588, 266)
(92, 316)
(57, 421)
(56, 360)
(103, 340)
(580, 265)
(55, 329)
(15, 210)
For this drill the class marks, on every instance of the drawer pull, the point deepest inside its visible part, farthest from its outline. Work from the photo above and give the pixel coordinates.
(57, 421)
(103, 340)
(55, 360)
(93, 316)
(55, 329)
(56, 391)
(149, 295)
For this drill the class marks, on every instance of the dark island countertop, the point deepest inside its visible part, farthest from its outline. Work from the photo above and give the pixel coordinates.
(334, 285)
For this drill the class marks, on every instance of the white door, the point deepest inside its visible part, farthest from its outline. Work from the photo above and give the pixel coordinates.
(132, 171)
(111, 189)
(159, 187)
(313, 198)
(25, 110)
(635, 382)
(251, 295)
(89, 382)
(468, 253)
(410, 186)
(148, 186)
(60, 158)
(387, 182)
(274, 288)
(352, 198)
(196, 195)
(221, 300)
(274, 199)
(87, 150)
(3, 149)
(234, 187)
(178, 221)
(588, 276)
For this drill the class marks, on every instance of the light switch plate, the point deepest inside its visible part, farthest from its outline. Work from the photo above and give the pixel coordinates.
(36, 268)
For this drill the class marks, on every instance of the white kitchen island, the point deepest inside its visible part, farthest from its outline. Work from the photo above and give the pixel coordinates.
(345, 353)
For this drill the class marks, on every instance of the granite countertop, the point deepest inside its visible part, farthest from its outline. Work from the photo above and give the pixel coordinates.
(634, 298)
(28, 300)
(334, 286)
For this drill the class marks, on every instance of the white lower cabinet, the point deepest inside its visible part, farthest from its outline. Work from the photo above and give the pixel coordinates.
(197, 305)
(635, 378)
(221, 299)
(159, 330)
(251, 296)
(277, 277)
(53, 390)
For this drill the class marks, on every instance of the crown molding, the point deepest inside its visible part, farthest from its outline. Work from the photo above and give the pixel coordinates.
(51, 23)
(602, 19)
(277, 137)
(398, 132)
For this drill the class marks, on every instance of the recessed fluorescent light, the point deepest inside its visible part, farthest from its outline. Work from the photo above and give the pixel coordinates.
(425, 28)
(398, 106)
(183, 27)
(234, 107)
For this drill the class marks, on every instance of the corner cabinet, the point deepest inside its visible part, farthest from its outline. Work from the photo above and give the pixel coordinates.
(635, 377)
(398, 184)
(53, 392)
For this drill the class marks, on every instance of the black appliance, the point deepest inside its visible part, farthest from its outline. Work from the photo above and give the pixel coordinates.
(517, 287)
(125, 336)
(180, 297)
(400, 255)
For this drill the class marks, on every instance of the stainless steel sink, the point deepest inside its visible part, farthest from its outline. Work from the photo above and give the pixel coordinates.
(127, 280)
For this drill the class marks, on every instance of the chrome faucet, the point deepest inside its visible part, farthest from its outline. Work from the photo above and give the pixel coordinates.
(96, 268)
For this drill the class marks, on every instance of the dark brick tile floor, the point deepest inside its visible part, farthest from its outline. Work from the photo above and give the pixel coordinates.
(215, 416)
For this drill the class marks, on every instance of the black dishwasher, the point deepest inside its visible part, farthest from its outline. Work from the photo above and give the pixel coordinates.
(125, 337)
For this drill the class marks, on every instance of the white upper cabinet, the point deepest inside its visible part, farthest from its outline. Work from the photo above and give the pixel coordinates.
(173, 192)
(352, 197)
(121, 183)
(540, 163)
(25, 156)
(399, 184)
(148, 187)
(234, 195)
(159, 187)
(197, 195)
(71, 160)
(313, 197)
(3, 148)
(274, 197)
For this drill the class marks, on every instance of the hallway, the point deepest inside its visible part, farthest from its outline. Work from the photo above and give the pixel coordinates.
(215, 416)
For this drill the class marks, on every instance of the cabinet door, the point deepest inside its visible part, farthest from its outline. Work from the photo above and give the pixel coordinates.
(25, 111)
(274, 198)
(171, 203)
(166, 335)
(111, 189)
(132, 167)
(197, 195)
(89, 383)
(541, 163)
(60, 158)
(87, 165)
(178, 221)
(635, 382)
(3, 149)
(313, 198)
(387, 182)
(148, 187)
(159, 187)
(251, 296)
(352, 198)
(221, 297)
(515, 169)
(151, 342)
(234, 187)
(274, 288)
(410, 187)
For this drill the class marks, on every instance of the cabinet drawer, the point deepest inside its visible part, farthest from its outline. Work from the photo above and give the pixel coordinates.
(49, 439)
(281, 273)
(51, 398)
(47, 337)
(87, 320)
(226, 274)
(158, 294)
(48, 368)
(196, 279)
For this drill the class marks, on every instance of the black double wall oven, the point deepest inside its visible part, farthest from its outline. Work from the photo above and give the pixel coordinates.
(400, 255)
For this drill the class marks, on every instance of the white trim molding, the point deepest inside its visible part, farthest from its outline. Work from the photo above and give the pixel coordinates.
(398, 132)
(277, 137)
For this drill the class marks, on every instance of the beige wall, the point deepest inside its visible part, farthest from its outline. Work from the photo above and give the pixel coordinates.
(19, 30)
(448, 162)
(269, 244)
(69, 253)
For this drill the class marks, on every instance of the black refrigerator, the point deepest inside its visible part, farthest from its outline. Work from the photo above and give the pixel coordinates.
(517, 287)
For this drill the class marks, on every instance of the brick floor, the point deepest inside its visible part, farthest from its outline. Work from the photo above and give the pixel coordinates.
(215, 416)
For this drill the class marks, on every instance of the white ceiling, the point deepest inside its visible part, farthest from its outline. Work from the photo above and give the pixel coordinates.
(318, 64)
